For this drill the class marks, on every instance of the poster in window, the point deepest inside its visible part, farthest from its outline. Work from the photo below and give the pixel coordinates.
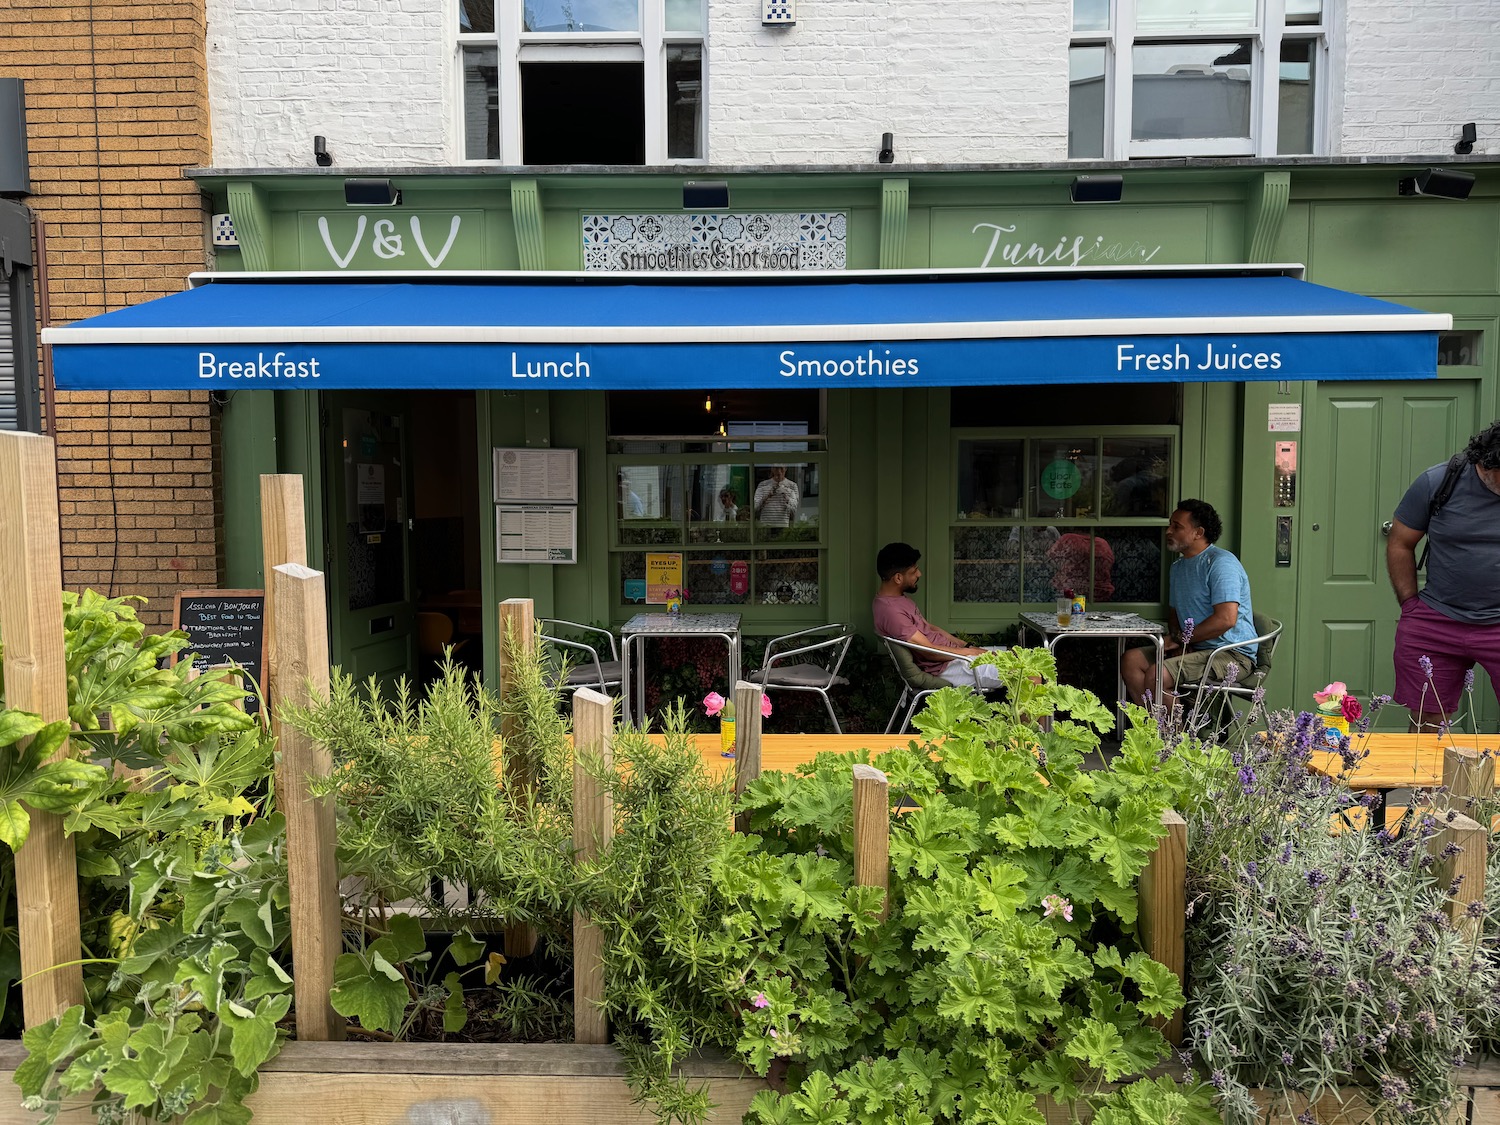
(663, 576)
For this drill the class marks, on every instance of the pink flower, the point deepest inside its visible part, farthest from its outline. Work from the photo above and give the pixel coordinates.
(1351, 708)
(713, 703)
(1056, 904)
(773, 1034)
(765, 706)
(760, 1000)
(1332, 693)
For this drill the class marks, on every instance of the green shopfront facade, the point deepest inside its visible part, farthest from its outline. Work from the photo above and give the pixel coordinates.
(1008, 490)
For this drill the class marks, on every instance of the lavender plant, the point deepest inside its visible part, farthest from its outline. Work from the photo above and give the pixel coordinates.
(1319, 953)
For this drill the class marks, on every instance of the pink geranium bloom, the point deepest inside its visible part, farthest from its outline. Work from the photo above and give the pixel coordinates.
(760, 1000)
(765, 706)
(713, 703)
(1332, 693)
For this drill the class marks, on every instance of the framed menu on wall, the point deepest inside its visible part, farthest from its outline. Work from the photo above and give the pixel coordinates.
(531, 533)
(536, 476)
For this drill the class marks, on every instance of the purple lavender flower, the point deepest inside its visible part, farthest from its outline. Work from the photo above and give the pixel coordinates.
(1287, 1059)
(1469, 681)
(1218, 1080)
(1425, 663)
(1315, 877)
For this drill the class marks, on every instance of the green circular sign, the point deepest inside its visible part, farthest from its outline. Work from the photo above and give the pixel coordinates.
(1061, 479)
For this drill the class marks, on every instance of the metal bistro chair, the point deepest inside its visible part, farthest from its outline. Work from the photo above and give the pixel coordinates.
(1219, 699)
(590, 668)
(916, 683)
(818, 654)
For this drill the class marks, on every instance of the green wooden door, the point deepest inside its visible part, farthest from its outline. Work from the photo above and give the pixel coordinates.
(1362, 446)
(367, 486)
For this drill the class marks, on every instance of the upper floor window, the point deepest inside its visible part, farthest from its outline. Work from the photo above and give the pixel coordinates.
(581, 81)
(1196, 78)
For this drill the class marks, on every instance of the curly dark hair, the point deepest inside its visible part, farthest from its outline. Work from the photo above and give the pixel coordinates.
(1484, 448)
(1202, 513)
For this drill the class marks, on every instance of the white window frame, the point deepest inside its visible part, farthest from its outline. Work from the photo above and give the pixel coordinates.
(514, 47)
(1266, 36)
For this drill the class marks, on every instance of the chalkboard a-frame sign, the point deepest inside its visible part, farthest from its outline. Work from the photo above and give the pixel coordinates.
(224, 627)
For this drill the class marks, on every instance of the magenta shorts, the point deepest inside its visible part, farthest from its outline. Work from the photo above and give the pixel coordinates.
(1453, 647)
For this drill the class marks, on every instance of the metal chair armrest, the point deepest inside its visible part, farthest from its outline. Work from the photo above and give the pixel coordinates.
(1208, 666)
(940, 653)
(614, 653)
(580, 646)
(844, 630)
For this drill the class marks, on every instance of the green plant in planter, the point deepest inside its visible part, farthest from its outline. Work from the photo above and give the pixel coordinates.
(1320, 956)
(1007, 968)
(182, 882)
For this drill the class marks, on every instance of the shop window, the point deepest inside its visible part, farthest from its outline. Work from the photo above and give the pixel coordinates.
(1183, 78)
(742, 505)
(581, 81)
(1076, 405)
(1040, 514)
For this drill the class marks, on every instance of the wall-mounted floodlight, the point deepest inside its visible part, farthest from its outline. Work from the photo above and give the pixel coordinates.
(371, 193)
(705, 195)
(1097, 189)
(1442, 183)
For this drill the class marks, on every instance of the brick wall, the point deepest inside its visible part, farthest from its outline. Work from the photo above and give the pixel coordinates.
(117, 106)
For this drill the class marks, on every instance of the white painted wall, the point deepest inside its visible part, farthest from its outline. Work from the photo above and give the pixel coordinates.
(1414, 73)
(964, 81)
(370, 75)
(956, 81)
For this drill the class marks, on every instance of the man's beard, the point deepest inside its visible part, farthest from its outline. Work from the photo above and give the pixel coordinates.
(910, 588)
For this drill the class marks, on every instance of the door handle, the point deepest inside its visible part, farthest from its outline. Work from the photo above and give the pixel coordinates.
(1385, 528)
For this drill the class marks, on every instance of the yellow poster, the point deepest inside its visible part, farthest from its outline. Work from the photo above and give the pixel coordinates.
(663, 577)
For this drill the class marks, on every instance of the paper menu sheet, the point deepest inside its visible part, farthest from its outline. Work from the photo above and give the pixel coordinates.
(536, 476)
(536, 534)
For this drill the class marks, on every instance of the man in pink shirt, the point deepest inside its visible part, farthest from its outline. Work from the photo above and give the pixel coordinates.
(897, 617)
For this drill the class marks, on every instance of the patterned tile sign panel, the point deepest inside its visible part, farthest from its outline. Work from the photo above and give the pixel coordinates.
(685, 243)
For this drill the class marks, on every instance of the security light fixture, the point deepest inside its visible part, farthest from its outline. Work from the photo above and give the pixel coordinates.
(1467, 135)
(887, 148)
(1097, 189)
(708, 404)
(371, 193)
(707, 195)
(321, 155)
(1443, 183)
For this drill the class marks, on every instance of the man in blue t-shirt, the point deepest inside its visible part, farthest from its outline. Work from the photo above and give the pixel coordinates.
(1209, 594)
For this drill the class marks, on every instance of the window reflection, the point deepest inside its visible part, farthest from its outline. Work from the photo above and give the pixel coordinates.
(1136, 562)
(1136, 474)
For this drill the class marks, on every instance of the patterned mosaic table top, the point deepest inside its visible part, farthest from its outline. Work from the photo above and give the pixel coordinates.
(1105, 624)
(681, 624)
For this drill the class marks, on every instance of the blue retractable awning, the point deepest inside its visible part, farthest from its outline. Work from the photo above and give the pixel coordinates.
(609, 332)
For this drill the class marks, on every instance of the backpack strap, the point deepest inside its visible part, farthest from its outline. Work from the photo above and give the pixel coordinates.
(1456, 465)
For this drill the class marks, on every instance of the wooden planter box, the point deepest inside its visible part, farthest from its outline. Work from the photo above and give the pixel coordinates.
(443, 1084)
(557, 1084)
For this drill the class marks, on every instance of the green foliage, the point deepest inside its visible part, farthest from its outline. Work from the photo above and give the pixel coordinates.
(1321, 956)
(1005, 969)
(182, 879)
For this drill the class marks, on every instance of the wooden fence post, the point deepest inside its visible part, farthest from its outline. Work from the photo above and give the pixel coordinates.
(747, 698)
(872, 832)
(593, 832)
(31, 628)
(1466, 776)
(1467, 864)
(283, 539)
(518, 627)
(1163, 899)
(301, 628)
